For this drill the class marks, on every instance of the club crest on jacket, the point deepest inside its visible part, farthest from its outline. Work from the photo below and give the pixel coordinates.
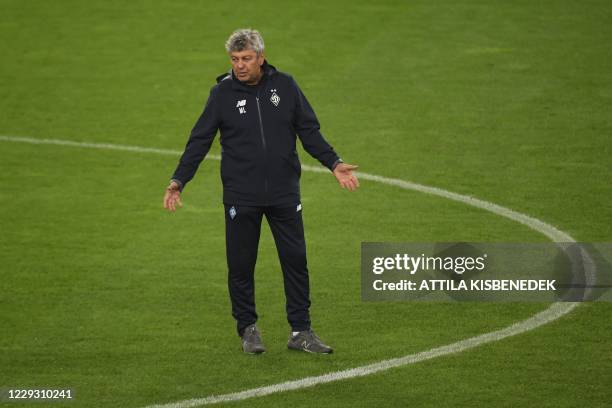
(275, 99)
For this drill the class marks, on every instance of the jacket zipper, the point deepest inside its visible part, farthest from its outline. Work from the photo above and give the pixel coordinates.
(263, 142)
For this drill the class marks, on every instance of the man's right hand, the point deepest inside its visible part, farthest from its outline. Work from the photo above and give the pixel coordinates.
(172, 197)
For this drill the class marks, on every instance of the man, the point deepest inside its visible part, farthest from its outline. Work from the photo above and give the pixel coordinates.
(259, 111)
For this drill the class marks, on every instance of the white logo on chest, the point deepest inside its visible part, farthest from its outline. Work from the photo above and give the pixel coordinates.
(241, 105)
(275, 99)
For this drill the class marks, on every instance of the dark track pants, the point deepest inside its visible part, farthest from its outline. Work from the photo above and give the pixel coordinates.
(242, 239)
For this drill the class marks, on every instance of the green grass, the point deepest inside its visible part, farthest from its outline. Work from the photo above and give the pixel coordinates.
(104, 292)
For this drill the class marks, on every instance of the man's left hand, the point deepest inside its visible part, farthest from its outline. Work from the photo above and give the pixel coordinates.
(172, 197)
(346, 178)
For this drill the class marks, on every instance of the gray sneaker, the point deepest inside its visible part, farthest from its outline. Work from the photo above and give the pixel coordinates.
(251, 340)
(308, 341)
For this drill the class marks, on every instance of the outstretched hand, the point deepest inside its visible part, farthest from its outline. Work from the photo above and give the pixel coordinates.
(346, 178)
(172, 197)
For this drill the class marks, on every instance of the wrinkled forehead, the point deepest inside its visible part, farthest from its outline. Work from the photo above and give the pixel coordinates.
(249, 52)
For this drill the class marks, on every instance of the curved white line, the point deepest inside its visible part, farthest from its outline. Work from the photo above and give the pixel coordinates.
(555, 311)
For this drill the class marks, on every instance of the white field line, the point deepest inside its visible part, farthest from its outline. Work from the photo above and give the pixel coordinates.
(555, 311)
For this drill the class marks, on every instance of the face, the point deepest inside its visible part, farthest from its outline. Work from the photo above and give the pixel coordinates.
(247, 66)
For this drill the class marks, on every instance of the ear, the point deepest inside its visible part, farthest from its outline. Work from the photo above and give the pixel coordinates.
(261, 58)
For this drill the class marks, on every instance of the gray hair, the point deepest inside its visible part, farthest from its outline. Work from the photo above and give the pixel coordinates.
(245, 39)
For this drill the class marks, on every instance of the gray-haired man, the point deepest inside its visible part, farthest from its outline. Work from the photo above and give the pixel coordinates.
(259, 111)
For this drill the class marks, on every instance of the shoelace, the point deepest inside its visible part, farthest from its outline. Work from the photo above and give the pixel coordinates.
(250, 332)
(313, 337)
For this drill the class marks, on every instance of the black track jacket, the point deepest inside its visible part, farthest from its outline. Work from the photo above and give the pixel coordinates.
(258, 124)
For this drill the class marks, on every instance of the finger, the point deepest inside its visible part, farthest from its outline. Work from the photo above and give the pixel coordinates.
(352, 186)
(179, 201)
(355, 181)
(351, 166)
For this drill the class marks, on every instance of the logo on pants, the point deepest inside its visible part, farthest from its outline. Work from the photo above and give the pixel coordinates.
(232, 212)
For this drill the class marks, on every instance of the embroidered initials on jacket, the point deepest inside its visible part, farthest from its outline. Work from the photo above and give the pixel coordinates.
(241, 105)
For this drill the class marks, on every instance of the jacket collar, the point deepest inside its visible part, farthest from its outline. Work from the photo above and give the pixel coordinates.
(268, 71)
